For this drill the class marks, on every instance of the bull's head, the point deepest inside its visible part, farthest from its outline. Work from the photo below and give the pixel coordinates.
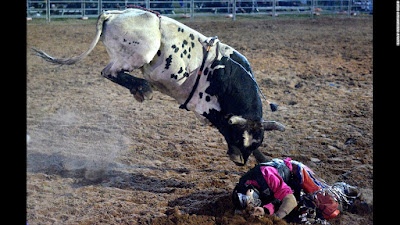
(244, 136)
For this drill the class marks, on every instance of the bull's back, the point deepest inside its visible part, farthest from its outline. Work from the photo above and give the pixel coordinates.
(174, 67)
(132, 38)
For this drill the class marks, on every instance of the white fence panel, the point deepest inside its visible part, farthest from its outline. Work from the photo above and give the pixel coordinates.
(190, 8)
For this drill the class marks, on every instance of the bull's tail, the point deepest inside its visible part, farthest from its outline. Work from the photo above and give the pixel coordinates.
(68, 61)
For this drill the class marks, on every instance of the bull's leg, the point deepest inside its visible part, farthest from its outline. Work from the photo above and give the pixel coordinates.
(140, 88)
(260, 157)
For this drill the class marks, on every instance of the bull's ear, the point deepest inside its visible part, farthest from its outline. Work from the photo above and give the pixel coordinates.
(273, 125)
(237, 120)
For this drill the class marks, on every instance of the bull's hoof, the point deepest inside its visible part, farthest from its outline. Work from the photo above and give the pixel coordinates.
(142, 92)
(139, 88)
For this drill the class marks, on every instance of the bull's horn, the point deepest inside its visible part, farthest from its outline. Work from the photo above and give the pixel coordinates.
(273, 125)
(237, 120)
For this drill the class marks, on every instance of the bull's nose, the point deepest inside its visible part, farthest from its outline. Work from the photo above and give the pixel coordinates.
(237, 159)
(236, 156)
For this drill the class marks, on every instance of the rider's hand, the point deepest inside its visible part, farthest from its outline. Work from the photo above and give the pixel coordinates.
(258, 211)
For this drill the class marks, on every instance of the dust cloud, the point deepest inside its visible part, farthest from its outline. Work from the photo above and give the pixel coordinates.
(71, 144)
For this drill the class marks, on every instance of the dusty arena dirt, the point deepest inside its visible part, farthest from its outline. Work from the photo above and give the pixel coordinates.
(97, 156)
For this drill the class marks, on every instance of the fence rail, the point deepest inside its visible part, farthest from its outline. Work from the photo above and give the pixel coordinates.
(190, 8)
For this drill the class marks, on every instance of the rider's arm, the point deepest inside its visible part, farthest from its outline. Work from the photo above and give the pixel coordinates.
(288, 204)
(280, 189)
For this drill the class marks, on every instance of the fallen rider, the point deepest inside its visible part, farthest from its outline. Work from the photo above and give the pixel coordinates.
(283, 187)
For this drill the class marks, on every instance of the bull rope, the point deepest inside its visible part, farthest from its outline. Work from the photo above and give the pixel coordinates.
(145, 9)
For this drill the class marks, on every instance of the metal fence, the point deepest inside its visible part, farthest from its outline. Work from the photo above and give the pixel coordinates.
(190, 8)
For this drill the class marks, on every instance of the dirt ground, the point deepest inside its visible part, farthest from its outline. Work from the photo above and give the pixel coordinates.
(97, 156)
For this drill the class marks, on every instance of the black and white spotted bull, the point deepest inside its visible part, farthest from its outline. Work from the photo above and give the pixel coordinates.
(205, 76)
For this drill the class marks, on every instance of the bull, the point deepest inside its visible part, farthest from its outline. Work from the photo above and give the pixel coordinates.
(205, 76)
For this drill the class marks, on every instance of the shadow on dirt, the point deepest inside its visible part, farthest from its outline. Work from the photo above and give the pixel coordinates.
(108, 174)
(217, 210)
(216, 203)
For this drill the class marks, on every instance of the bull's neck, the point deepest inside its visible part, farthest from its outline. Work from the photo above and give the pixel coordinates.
(235, 87)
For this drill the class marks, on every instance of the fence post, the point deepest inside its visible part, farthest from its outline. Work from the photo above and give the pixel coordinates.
(349, 8)
(100, 7)
(48, 11)
(192, 9)
(273, 9)
(234, 10)
(83, 4)
(312, 9)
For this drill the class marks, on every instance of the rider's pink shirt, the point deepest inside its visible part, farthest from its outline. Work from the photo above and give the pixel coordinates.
(275, 183)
